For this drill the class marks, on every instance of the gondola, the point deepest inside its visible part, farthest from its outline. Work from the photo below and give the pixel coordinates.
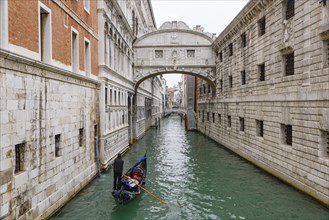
(131, 181)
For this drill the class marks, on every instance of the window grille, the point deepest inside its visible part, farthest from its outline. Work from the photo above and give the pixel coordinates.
(244, 40)
(243, 77)
(262, 26)
(213, 117)
(221, 85)
(190, 53)
(290, 64)
(81, 137)
(327, 144)
(328, 52)
(111, 97)
(290, 9)
(288, 134)
(19, 157)
(260, 128)
(220, 118)
(158, 53)
(261, 69)
(57, 145)
(230, 46)
(105, 96)
(241, 124)
(229, 121)
(230, 80)
(221, 56)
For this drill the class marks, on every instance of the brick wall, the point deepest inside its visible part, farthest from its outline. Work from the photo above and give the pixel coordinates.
(23, 28)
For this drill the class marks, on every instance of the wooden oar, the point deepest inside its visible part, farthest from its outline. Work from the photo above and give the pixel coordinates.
(161, 201)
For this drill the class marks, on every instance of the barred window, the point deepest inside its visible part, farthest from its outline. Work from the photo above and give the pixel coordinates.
(19, 157)
(262, 26)
(259, 128)
(81, 137)
(213, 117)
(220, 118)
(324, 144)
(327, 143)
(209, 88)
(221, 85)
(208, 118)
(286, 134)
(243, 40)
(327, 43)
(289, 64)
(261, 70)
(241, 124)
(221, 56)
(290, 9)
(230, 46)
(230, 81)
(190, 53)
(58, 152)
(158, 53)
(229, 123)
(243, 77)
(105, 95)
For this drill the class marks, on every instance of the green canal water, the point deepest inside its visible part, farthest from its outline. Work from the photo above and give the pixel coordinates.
(199, 179)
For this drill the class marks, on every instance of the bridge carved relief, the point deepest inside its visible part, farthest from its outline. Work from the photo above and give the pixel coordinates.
(174, 48)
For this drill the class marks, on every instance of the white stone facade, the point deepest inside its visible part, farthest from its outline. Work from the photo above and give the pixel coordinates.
(277, 120)
(120, 23)
(39, 103)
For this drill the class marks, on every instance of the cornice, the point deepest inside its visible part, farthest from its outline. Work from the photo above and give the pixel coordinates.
(174, 30)
(245, 17)
(44, 66)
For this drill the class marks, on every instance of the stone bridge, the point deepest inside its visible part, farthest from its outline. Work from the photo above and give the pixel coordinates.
(175, 48)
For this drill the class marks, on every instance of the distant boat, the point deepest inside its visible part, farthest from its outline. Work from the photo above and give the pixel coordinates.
(131, 181)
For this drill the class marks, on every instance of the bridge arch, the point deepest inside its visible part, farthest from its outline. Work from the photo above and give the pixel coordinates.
(205, 77)
(175, 48)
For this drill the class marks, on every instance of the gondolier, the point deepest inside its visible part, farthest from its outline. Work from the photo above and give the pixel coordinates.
(117, 172)
(131, 182)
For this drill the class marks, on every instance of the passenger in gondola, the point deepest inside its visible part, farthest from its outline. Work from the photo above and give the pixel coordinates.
(117, 172)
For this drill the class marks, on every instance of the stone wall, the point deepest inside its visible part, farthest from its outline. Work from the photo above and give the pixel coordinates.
(253, 118)
(47, 148)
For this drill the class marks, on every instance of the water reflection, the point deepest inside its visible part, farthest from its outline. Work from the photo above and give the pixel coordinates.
(199, 179)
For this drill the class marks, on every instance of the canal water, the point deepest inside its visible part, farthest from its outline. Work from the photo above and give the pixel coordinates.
(199, 179)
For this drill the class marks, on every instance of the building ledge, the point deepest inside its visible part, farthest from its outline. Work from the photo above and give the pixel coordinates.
(324, 32)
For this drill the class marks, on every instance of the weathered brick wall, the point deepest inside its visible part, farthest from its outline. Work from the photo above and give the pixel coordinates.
(37, 104)
(20, 23)
(300, 100)
(23, 18)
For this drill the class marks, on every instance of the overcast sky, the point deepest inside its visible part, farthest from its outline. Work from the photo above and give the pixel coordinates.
(213, 15)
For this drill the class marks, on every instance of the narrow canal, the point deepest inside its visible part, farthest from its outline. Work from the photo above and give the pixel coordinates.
(199, 179)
